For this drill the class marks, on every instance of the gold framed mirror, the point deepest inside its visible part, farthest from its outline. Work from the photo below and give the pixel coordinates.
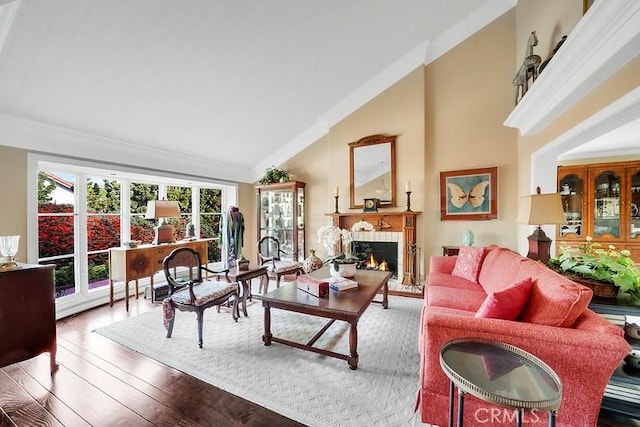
(372, 163)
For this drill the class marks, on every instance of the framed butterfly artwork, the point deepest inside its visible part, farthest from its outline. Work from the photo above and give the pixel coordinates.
(469, 195)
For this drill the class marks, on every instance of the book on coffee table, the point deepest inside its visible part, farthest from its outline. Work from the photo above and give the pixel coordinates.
(341, 283)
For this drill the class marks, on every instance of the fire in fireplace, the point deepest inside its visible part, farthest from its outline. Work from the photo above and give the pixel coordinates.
(377, 255)
(371, 263)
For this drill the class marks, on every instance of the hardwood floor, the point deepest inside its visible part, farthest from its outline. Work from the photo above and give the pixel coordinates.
(102, 383)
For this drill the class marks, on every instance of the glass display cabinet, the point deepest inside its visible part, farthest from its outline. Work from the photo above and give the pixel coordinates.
(281, 215)
(571, 187)
(602, 201)
(606, 204)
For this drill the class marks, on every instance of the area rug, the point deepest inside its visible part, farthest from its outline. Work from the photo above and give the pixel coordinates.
(312, 389)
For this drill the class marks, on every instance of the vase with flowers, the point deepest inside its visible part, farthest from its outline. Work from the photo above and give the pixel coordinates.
(337, 242)
(592, 262)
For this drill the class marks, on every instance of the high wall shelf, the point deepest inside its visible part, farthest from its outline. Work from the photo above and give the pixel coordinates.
(281, 215)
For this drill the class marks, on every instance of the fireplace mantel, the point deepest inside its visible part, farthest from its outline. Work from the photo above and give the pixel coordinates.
(398, 222)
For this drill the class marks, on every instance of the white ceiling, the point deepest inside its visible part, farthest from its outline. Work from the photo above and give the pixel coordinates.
(241, 84)
(624, 140)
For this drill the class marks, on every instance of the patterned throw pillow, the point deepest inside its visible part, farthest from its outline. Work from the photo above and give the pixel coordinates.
(508, 303)
(469, 262)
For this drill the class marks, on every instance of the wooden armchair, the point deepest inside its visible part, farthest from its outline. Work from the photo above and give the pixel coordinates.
(189, 292)
(269, 254)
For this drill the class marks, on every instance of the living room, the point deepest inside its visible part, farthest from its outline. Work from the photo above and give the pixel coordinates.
(448, 114)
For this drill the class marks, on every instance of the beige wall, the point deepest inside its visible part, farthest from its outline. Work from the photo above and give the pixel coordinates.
(325, 164)
(246, 204)
(468, 95)
(13, 197)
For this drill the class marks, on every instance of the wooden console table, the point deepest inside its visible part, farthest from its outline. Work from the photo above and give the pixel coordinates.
(450, 250)
(27, 313)
(127, 264)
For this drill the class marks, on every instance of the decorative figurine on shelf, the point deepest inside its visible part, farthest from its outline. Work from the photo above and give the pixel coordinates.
(555, 50)
(528, 70)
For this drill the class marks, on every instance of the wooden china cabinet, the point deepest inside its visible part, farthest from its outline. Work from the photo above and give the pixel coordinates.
(601, 200)
(281, 215)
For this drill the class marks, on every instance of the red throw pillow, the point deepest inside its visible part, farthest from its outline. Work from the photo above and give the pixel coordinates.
(469, 262)
(508, 303)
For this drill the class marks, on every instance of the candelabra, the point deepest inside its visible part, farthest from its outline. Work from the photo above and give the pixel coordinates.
(408, 201)
(336, 197)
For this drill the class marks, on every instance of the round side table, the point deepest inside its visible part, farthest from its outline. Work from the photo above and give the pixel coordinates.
(500, 374)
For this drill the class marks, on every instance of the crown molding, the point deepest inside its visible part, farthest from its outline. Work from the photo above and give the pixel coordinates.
(45, 138)
(604, 40)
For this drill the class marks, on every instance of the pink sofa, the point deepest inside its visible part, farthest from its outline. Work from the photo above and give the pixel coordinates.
(555, 325)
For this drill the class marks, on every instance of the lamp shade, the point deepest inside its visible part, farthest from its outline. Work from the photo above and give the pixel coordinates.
(162, 209)
(539, 209)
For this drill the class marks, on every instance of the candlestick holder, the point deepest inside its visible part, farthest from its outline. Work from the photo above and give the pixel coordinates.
(408, 201)
(336, 197)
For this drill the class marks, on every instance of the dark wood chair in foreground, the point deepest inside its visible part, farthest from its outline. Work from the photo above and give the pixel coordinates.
(188, 291)
(269, 254)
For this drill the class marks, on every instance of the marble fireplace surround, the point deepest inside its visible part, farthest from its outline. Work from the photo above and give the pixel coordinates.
(397, 227)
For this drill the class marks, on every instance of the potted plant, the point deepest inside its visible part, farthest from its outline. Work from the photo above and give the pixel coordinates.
(343, 265)
(274, 174)
(332, 237)
(607, 267)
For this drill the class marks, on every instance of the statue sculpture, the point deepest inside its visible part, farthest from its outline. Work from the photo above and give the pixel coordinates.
(555, 50)
(528, 70)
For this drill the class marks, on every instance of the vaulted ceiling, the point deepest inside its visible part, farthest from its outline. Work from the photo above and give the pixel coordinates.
(239, 85)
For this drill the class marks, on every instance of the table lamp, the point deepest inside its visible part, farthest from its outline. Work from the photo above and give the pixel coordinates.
(160, 209)
(541, 209)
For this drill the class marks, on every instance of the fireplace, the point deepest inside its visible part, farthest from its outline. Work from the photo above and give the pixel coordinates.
(398, 228)
(377, 256)
(385, 246)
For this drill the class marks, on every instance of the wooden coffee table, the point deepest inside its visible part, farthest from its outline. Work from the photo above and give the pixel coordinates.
(347, 306)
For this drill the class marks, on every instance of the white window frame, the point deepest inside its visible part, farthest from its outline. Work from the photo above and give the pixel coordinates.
(82, 299)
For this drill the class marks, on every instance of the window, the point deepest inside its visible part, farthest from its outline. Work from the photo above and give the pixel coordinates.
(183, 195)
(103, 227)
(139, 194)
(83, 211)
(210, 219)
(57, 227)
